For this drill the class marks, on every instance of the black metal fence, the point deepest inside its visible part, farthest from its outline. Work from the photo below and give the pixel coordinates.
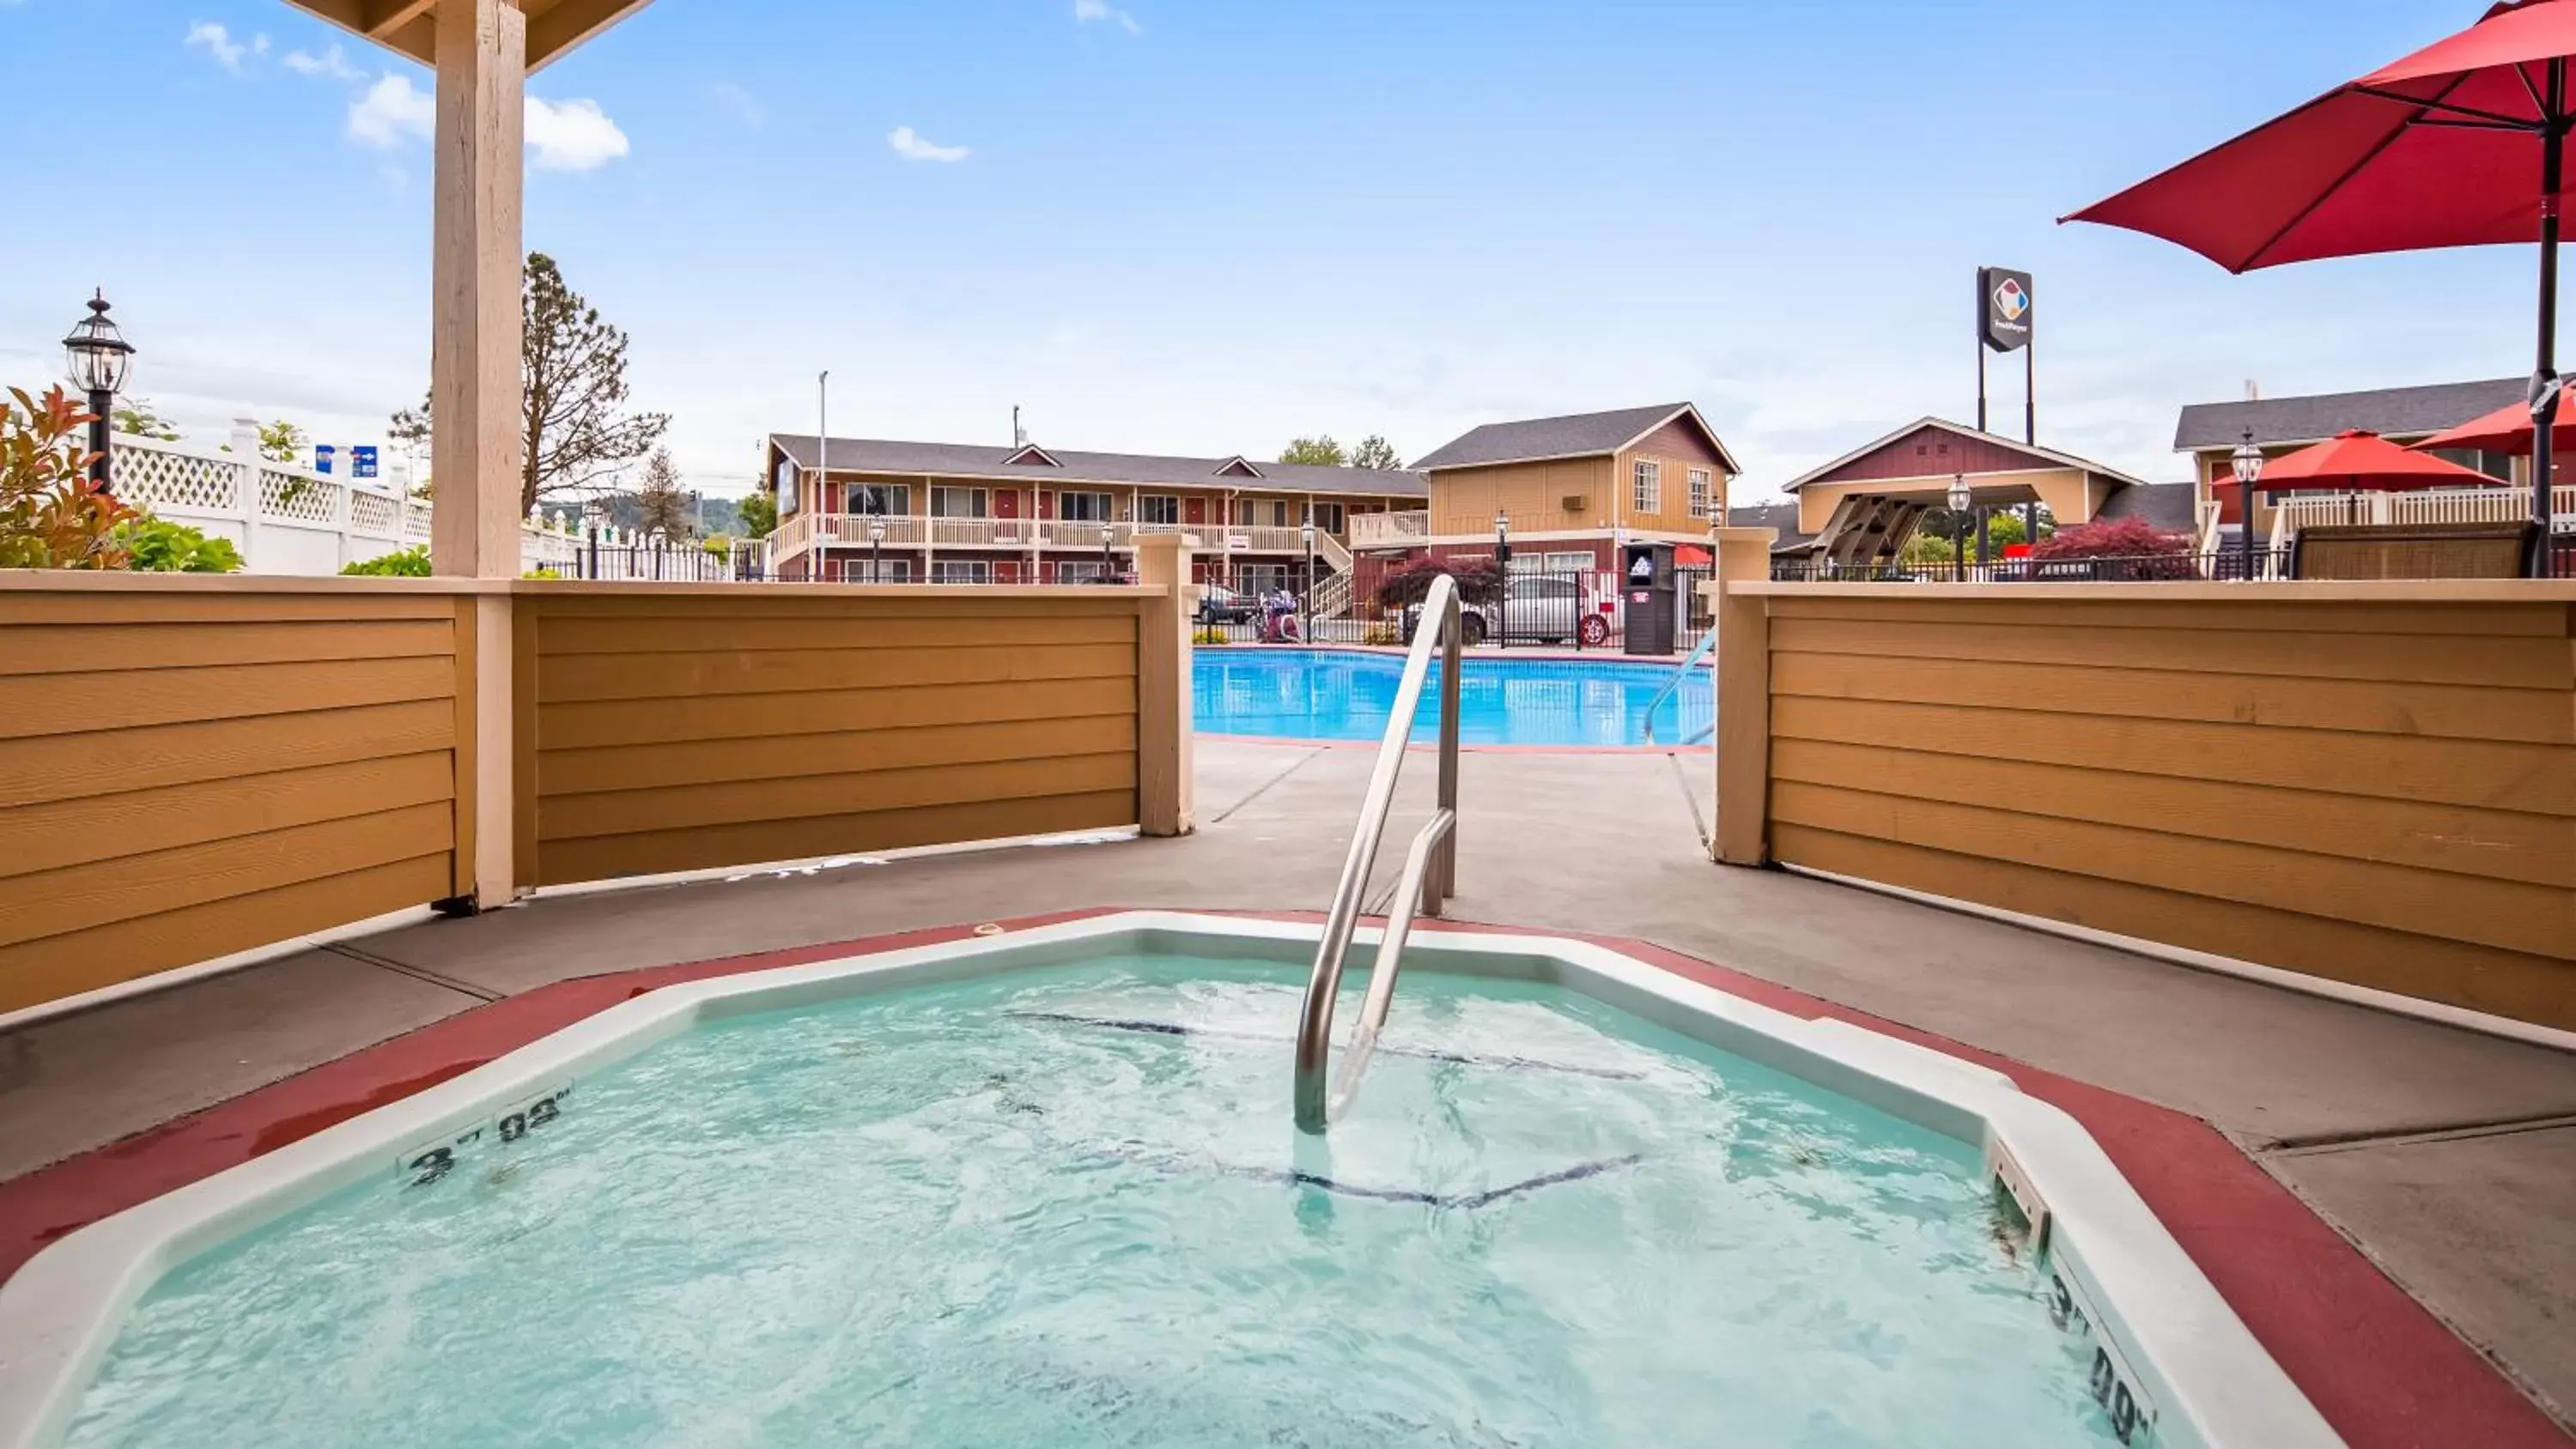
(2266, 563)
(1538, 608)
(2225, 564)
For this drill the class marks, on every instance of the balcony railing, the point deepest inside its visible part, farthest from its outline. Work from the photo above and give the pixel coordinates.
(2500, 504)
(1390, 530)
(801, 531)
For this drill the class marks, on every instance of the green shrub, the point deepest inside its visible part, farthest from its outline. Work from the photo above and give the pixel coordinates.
(410, 563)
(159, 546)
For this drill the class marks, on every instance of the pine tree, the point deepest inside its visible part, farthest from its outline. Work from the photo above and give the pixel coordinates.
(659, 498)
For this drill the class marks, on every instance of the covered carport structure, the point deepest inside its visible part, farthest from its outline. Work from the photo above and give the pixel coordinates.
(1860, 509)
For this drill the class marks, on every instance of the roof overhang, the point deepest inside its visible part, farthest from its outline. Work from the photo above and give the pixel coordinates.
(1725, 458)
(2052, 458)
(410, 27)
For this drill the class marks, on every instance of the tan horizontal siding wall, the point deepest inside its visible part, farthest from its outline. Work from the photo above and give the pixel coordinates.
(184, 775)
(679, 732)
(1464, 500)
(2383, 794)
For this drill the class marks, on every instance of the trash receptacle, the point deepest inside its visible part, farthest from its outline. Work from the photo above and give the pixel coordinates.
(1646, 578)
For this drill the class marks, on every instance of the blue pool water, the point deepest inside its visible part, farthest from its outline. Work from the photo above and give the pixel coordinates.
(1325, 694)
(1065, 1208)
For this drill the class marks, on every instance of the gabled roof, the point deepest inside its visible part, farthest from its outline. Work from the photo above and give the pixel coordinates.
(2038, 457)
(1070, 468)
(2403, 411)
(1031, 455)
(1579, 435)
(1780, 518)
(2168, 507)
(1238, 466)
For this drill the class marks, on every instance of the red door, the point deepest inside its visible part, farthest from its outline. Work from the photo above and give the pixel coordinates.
(1006, 503)
(1193, 511)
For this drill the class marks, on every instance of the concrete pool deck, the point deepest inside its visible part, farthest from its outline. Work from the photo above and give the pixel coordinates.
(2449, 1158)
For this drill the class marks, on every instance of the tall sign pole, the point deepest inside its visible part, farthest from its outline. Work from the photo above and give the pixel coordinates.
(2004, 325)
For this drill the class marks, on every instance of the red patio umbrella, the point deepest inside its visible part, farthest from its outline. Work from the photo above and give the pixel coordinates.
(2462, 143)
(2364, 462)
(2508, 430)
(2359, 462)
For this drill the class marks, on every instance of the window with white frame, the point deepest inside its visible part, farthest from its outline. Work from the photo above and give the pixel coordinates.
(961, 571)
(1079, 571)
(1650, 486)
(1330, 517)
(1083, 507)
(1699, 492)
(867, 569)
(1261, 578)
(888, 498)
(1158, 508)
(959, 503)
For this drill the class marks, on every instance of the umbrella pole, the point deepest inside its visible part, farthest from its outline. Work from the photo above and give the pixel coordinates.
(2544, 376)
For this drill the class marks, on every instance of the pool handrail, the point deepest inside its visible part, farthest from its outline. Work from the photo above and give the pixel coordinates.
(1690, 661)
(1429, 878)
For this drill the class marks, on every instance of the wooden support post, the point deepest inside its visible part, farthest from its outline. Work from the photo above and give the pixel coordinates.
(475, 329)
(1742, 835)
(1163, 705)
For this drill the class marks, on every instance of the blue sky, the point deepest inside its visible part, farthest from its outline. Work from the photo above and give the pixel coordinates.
(1204, 226)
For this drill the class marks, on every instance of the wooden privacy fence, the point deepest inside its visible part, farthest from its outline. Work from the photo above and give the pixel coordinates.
(2373, 783)
(188, 772)
(192, 767)
(675, 729)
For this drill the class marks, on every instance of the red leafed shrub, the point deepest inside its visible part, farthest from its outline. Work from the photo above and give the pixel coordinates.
(1480, 581)
(2116, 538)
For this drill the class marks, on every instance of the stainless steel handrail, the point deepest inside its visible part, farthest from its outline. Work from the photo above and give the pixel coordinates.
(1430, 874)
(1690, 661)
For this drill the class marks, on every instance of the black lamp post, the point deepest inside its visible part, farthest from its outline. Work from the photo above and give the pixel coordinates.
(1306, 604)
(2248, 463)
(876, 549)
(657, 540)
(594, 517)
(1960, 497)
(1503, 580)
(98, 358)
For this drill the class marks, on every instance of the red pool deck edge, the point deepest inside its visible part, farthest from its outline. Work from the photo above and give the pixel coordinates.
(2380, 1367)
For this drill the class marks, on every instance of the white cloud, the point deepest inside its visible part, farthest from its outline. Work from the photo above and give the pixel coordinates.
(1087, 11)
(219, 43)
(331, 64)
(572, 135)
(909, 145)
(565, 135)
(391, 111)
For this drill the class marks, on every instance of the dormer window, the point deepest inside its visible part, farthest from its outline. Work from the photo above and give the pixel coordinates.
(1032, 456)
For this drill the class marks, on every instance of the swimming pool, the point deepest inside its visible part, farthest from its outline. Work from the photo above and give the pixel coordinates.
(1335, 694)
(1042, 1188)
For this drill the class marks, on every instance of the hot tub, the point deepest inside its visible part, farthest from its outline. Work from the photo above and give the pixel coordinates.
(1043, 1188)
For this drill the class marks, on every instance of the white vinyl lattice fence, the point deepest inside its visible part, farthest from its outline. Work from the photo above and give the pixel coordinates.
(284, 517)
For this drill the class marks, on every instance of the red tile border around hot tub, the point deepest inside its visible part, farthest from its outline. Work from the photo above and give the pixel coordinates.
(2383, 1371)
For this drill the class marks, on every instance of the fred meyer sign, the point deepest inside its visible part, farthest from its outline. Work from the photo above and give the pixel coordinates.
(2003, 308)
